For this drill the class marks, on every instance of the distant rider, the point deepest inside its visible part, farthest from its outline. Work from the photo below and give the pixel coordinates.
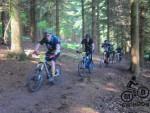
(88, 46)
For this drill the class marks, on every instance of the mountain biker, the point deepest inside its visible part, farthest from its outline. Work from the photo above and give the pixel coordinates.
(119, 52)
(88, 46)
(52, 44)
(107, 49)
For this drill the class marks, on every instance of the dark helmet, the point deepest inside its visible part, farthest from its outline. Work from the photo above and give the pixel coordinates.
(46, 33)
(106, 41)
(87, 36)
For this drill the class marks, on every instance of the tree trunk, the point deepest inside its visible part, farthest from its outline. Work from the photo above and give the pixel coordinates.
(57, 17)
(98, 26)
(83, 24)
(32, 20)
(3, 19)
(16, 45)
(135, 68)
(108, 19)
(94, 27)
(142, 20)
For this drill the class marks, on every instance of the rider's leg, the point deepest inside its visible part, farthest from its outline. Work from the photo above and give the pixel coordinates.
(53, 67)
(107, 57)
(52, 61)
(53, 64)
(91, 59)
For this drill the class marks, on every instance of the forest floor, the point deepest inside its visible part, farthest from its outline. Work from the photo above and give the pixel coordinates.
(99, 93)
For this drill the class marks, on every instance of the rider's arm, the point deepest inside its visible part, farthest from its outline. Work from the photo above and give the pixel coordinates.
(93, 46)
(102, 45)
(83, 45)
(37, 47)
(57, 49)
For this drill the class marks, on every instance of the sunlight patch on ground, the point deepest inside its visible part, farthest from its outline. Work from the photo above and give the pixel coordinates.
(28, 51)
(84, 110)
(111, 74)
(111, 87)
(146, 73)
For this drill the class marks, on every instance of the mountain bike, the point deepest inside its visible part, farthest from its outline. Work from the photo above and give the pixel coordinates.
(118, 57)
(42, 70)
(85, 65)
(106, 58)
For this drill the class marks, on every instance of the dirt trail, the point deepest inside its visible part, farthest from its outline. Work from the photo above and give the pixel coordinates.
(99, 94)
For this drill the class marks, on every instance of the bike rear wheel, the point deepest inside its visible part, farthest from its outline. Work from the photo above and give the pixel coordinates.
(90, 67)
(35, 81)
(81, 69)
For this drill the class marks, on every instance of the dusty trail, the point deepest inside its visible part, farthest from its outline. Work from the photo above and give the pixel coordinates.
(99, 94)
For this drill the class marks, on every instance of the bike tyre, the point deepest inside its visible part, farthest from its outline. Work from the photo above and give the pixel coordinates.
(35, 81)
(81, 69)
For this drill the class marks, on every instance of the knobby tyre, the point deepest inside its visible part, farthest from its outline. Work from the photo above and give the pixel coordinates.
(81, 69)
(35, 81)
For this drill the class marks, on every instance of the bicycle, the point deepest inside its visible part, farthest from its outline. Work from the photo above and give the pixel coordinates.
(85, 64)
(105, 59)
(35, 81)
(118, 57)
(130, 93)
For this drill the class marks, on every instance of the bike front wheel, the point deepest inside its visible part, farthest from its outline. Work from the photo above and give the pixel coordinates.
(90, 67)
(35, 81)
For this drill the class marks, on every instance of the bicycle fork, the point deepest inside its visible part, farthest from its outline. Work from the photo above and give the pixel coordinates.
(47, 70)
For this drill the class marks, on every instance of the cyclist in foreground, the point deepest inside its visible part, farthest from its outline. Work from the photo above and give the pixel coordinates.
(52, 43)
(88, 46)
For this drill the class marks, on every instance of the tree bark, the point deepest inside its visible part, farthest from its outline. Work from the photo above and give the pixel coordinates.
(94, 27)
(98, 26)
(3, 19)
(57, 18)
(135, 68)
(33, 20)
(142, 20)
(16, 45)
(83, 21)
(108, 19)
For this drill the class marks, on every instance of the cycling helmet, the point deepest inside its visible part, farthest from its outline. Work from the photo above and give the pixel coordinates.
(46, 33)
(87, 36)
(106, 41)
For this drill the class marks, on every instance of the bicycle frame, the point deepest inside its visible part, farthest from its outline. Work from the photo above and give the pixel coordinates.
(44, 65)
(85, 58)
